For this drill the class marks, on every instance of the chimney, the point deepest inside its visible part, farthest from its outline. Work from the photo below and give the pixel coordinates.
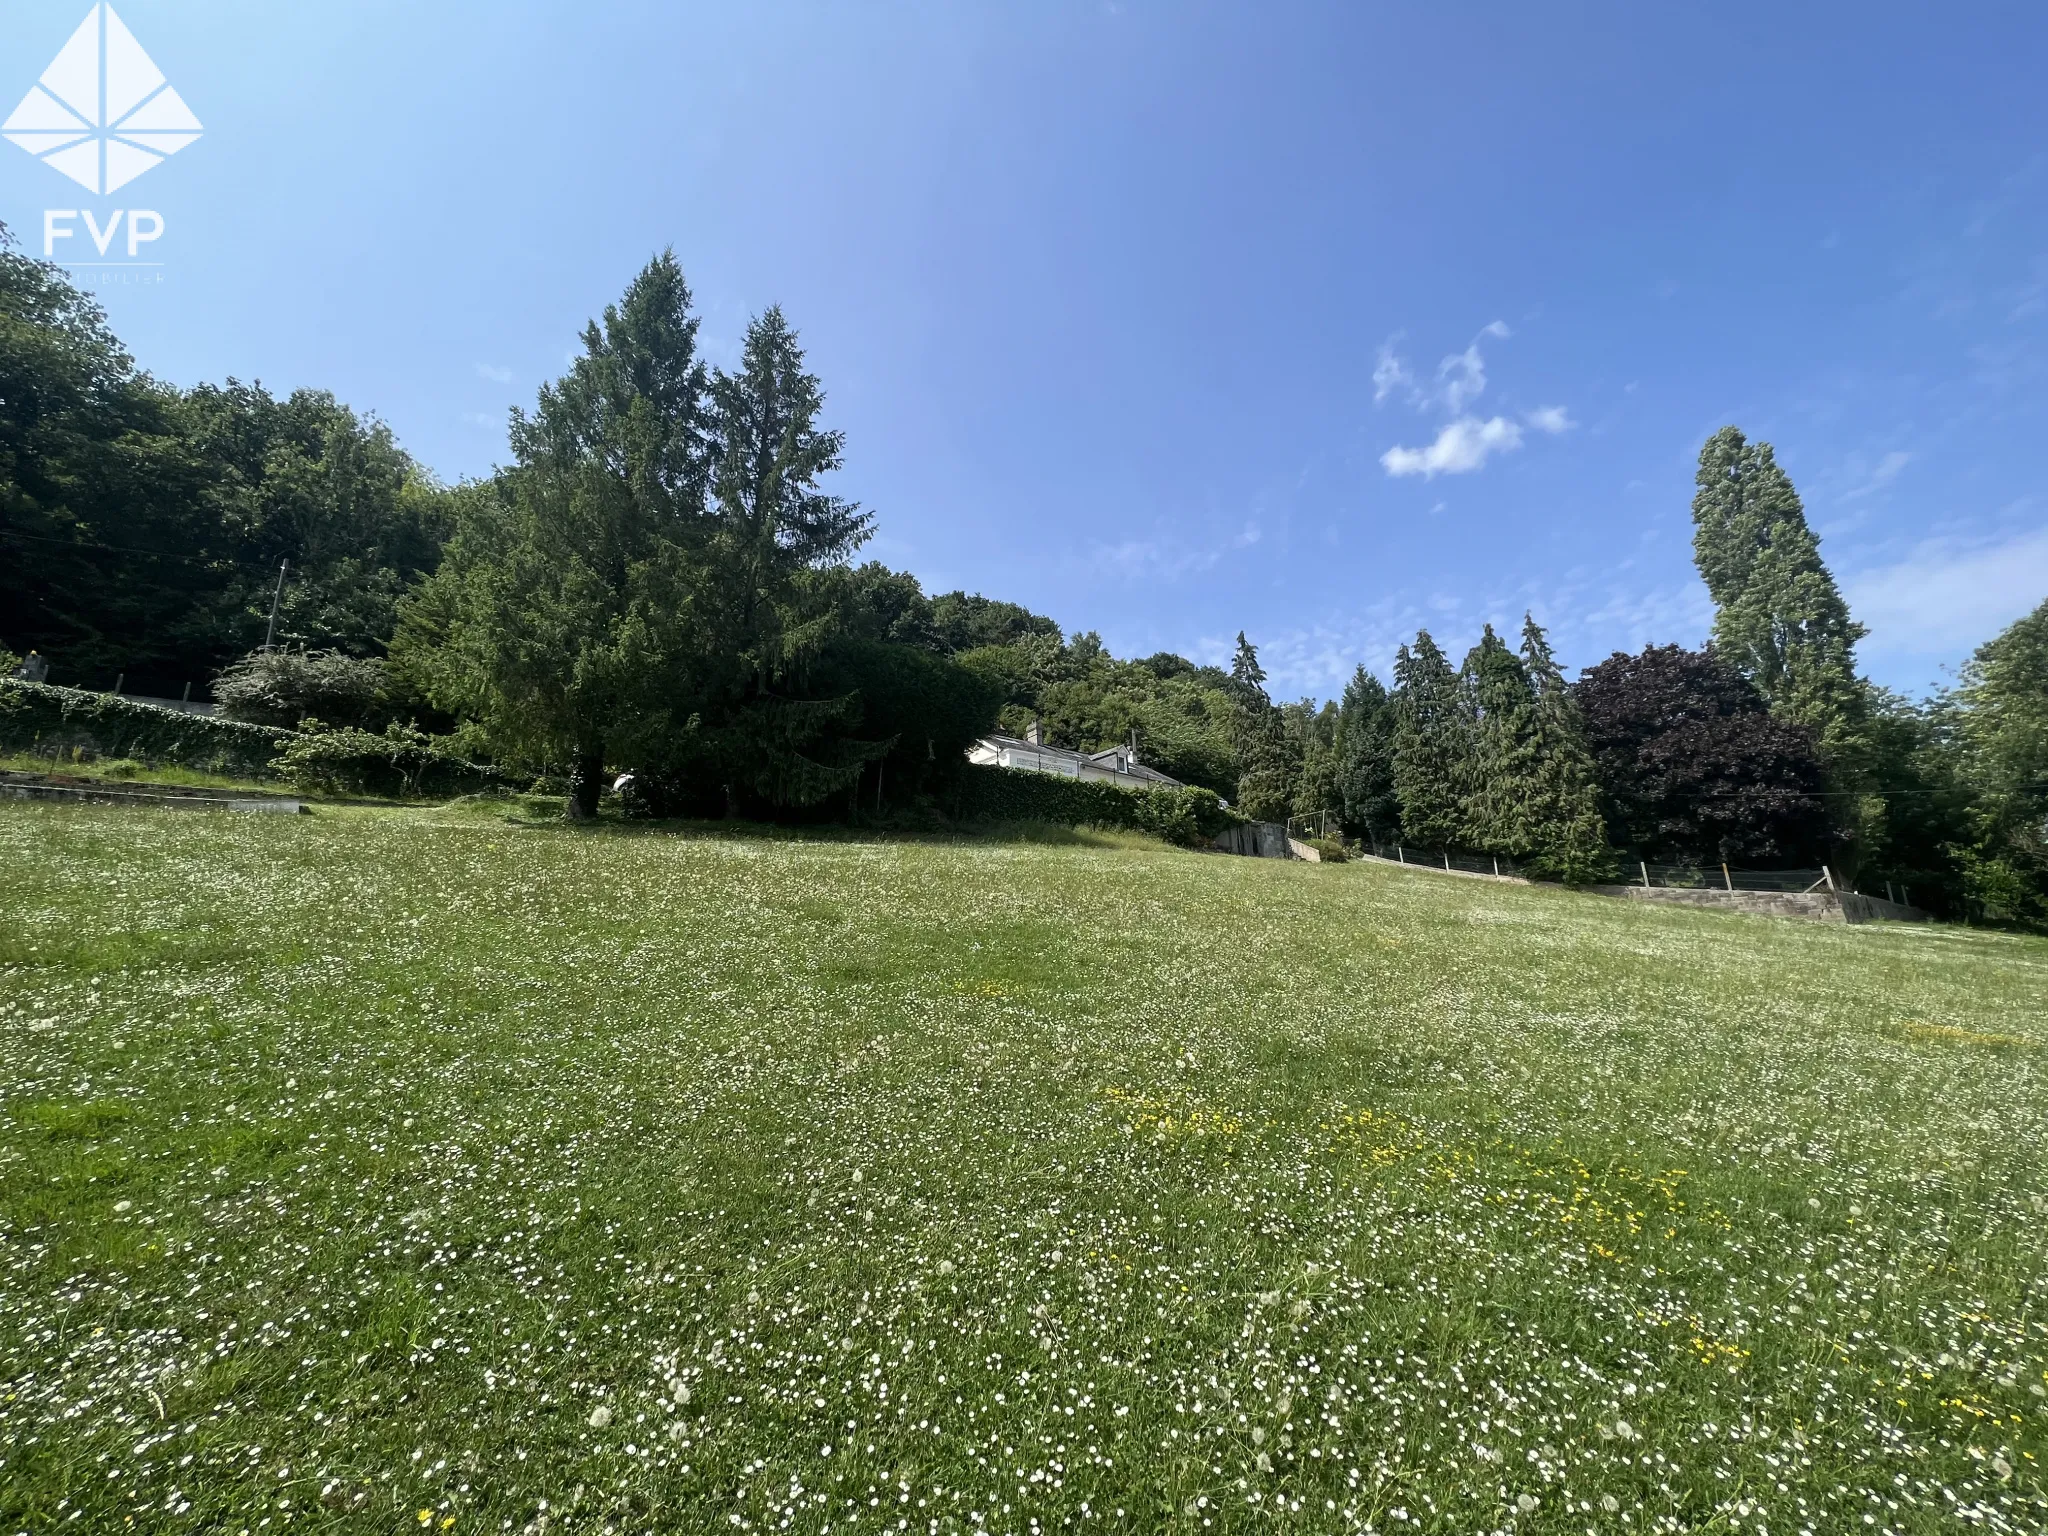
(1035, 733)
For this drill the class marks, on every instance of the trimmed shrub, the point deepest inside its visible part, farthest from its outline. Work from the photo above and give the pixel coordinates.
(1188, 816)
(36, 717)
(282, 688)
(401, 762)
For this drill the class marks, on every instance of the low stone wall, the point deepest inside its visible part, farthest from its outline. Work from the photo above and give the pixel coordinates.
(1811, 906)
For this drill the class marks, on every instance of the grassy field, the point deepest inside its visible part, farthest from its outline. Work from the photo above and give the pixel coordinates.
(407, 1170)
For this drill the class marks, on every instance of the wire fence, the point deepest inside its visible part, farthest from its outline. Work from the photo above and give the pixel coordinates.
(1444, 858)
(1697, 877)
(1700, 877)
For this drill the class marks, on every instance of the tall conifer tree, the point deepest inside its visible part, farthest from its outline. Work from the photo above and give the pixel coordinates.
(1779, 616)
(1432, 745)
(1567, 835)
(1501, 774)
(1780, 619)
(1265, 781)
(1365, 758)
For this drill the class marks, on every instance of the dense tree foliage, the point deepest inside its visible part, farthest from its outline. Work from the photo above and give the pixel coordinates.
(1693, 766)
(143, 526)
(1365, 759)
(1434, 746)
(1781, 621)
(661, 582)
(1998, 720)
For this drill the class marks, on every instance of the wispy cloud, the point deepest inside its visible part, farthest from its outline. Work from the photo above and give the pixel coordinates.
(1948, 596)
(494, 373)
(1389, 373)
(1886, 472)
(1167, 557)
(1461, 378)
(1461, 447)
(1464, 443)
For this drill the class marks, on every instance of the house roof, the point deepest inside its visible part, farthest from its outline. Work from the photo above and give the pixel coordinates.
(1115, 760)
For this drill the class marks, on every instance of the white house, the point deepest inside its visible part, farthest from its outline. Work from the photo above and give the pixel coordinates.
(1118, 765)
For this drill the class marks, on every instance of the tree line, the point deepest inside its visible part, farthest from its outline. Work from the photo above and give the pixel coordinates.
(661, 582)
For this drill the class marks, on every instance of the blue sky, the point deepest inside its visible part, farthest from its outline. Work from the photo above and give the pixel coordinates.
(1171, 320)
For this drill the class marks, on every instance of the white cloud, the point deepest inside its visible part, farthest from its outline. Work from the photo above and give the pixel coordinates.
(1497, 328)
(1461, 378)
(1551, 418)
(1390, 373)
(1948, 597)
(495, 374)
(1462, 446)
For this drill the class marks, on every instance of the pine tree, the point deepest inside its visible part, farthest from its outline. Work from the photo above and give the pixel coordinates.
(1365, 758)
(1314, 733)
(770, 522)
(564, 615)
(1265, 780)
(1432, 745)
(1500, 780)
(1567, 836)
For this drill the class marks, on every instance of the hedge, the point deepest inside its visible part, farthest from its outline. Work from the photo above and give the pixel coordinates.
(36, 717)
(400, 762)
(1185, 815)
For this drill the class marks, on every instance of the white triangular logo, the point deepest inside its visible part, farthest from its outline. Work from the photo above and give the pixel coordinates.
(102, 113)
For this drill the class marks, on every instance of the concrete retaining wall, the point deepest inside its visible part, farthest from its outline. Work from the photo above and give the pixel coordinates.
(1812, 906)
(1257, 840)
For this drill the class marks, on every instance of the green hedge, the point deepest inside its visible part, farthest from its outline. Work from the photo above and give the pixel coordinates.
(35, 717)
(1186, 815)
(399, 762)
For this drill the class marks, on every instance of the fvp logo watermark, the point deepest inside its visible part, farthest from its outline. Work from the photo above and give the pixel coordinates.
(102, 114)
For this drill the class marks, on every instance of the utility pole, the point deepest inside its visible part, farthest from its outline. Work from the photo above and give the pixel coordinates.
(270, 634)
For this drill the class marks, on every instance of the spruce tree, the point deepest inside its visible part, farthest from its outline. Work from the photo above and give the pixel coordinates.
(1265, 781)
(1365, 758)
(565, 614)
(1432, 745)
(1567, 836)
(1313, 734)
(1500, 780)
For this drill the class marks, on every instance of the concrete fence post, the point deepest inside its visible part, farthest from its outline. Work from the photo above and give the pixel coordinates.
(1644, 865)
(1447, 861)
(1726, 878)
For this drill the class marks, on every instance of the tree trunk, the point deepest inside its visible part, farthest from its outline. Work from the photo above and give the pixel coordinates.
(586, 783)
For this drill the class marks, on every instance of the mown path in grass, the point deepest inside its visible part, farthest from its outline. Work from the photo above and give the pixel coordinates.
(372, 1170)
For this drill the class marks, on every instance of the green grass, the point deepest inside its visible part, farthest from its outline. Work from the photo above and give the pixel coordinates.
(384, 1170)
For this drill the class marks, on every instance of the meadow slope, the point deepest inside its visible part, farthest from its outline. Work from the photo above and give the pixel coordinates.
(381, 1170)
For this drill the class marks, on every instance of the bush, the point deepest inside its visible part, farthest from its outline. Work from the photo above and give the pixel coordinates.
(1187, 815)
(401, 762)
(36, 717)
(282, 688)
(1331, 849)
